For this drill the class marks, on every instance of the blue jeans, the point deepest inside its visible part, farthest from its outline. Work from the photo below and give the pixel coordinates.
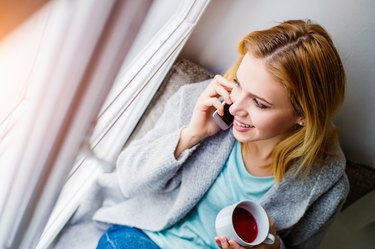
(124, 237)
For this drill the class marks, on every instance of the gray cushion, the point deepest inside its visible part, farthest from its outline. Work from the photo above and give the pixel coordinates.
(361, 180)
(182, 72)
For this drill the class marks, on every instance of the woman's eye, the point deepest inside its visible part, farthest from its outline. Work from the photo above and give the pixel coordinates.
(259, 104)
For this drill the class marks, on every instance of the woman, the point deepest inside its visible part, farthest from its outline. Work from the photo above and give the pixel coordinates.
(282, 151)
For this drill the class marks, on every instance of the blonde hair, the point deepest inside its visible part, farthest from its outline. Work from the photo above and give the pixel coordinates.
(302, 57)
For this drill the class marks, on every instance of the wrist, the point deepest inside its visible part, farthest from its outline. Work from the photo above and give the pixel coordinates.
(186, 141)
(277, 244)
(190, 136)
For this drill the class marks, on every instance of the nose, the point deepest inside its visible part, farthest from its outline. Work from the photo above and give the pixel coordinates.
(238, 108)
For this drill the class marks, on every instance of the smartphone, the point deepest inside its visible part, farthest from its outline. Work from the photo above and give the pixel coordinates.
(225, 121)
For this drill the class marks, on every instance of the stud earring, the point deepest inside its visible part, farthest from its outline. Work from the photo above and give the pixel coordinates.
(302, 124)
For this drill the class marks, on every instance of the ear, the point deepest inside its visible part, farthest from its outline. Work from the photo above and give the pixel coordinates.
(301, 121)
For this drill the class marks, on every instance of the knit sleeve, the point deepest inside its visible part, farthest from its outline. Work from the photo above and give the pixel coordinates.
(318, 217)
(148, 164)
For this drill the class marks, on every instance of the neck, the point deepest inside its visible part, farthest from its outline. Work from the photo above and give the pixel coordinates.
(258, 158)
(260, 149)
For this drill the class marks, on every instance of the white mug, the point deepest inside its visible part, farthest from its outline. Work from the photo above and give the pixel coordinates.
(245, 222)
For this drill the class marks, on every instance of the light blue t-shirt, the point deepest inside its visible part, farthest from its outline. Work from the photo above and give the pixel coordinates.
(197, 229)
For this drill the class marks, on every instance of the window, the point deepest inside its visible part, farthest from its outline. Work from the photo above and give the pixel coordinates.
(77, 60)
(72, 70)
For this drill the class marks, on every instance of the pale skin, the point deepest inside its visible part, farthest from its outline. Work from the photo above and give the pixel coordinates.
(263, 116)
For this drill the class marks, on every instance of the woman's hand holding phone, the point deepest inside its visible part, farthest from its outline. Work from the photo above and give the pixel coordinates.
(202, 124)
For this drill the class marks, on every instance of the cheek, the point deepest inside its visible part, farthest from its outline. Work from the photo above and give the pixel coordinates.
(272, 121)
(261, 120)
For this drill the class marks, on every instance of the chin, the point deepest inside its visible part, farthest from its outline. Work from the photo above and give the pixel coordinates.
(242, 137)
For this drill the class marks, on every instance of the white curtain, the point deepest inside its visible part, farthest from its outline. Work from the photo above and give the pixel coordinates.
(134, 88)
(74, 69)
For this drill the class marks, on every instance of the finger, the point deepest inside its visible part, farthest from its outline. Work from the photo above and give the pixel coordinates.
(224, 243)
(218, 242)
(272, 221)
(223, 81)
(272, 229)
(214, 102)
(234, 245)
(272, 225)
(218, 90)
(225, 94)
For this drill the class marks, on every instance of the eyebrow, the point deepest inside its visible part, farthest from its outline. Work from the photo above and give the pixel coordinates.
(253, 95)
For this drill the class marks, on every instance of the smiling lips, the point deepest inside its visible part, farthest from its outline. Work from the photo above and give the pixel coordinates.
(242, 125)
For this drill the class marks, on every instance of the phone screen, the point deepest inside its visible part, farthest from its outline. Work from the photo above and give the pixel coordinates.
(227, 117)
(225, 121)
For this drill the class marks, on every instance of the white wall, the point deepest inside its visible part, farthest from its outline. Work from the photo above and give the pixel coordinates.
(352, 26)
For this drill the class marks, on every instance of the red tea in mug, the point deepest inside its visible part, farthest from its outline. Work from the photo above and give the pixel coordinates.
(244, 224)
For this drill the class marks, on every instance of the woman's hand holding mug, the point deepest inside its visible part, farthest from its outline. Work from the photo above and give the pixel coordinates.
(243, 225)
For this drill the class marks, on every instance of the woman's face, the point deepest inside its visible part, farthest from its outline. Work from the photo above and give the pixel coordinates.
(261, 107)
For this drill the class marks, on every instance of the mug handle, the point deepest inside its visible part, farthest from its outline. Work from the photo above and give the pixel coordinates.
(270, 239)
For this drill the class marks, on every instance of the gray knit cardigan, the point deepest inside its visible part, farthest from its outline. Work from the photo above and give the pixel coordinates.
(152, 190)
